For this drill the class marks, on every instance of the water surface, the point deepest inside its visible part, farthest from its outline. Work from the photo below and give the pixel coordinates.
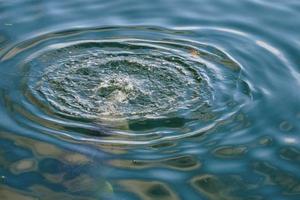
(149, 100)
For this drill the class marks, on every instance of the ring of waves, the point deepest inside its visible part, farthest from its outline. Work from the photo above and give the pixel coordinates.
(123, 85)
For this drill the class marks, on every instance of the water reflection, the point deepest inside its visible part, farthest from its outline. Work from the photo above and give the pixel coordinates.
(8, 193)
(230, 152)
(211, 187)
(291, 154)
(43, 170)
(225, 187)
(23, 166)
(289, 183)
(149, 190)
(285, 126)
(184, 163)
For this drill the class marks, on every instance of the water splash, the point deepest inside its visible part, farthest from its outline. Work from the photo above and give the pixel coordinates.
(131, 87)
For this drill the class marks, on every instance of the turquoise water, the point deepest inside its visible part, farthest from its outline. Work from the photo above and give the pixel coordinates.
(149, 100)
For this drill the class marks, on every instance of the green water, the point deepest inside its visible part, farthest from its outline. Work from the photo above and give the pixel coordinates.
(149, 100)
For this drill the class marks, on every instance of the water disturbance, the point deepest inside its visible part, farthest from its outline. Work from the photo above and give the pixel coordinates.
(132, 90)
(149, 100)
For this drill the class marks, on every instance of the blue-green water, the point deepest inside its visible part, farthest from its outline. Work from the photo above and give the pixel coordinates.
(149, 100)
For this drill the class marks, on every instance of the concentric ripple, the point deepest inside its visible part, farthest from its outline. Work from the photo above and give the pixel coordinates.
(97, 83)
(131, 85)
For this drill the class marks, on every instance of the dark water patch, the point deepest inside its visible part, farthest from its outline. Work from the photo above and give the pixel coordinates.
(278, 178)
(49, 168)
(224, 187)
(149, 189)
(184, 163)
(290, 153)
(230, 152)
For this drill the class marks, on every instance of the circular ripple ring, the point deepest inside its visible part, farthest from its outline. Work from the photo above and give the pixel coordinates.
(123, 84)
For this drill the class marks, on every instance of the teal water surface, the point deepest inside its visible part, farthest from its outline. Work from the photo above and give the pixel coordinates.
(149, 100)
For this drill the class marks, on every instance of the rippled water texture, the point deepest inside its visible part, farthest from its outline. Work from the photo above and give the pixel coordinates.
(149, 100)
(125, 86)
